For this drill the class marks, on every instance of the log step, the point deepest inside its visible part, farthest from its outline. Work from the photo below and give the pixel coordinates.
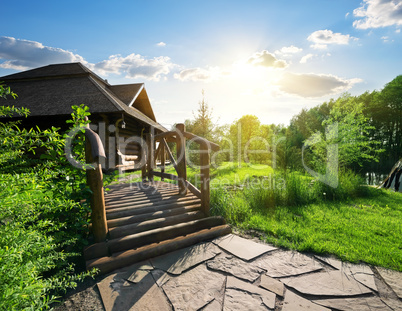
(131, 195)
(147, 220)
(152, 215)
(119, 260)
(135, 210)
(136, 240)
(125, 205)
(142, 198)
(151, 224)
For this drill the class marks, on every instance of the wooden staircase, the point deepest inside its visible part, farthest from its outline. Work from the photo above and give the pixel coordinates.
(149, 219)
(133, 222)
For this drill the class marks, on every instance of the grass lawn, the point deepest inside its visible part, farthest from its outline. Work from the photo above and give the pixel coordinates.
(360, 229)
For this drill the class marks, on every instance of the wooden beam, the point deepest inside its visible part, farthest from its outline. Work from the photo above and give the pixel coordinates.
(205, 194)
(193, 189)
(169, 152)
(181, 157)
(165, 175)
(150, 156)
(163, 158)
(165, 135)
(201, 141)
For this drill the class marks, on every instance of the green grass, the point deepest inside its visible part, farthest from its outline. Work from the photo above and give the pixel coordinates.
(353, 222)
(362, 229)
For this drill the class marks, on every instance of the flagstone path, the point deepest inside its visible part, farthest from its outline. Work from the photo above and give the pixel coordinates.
(234, 273)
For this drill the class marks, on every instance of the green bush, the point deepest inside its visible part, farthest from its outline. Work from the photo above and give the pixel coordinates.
(43, 224)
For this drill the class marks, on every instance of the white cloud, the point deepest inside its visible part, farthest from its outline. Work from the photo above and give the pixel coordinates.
(161, 44)
(321, 38)
(24, 54)
(398, 31)
(286, 50)
(136, 66)
(318, 46)
(313, 85)
(266, 59)
(199, 74)
(378, 13)
(305, 58)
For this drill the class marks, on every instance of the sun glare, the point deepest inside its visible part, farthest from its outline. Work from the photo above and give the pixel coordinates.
(256, 80)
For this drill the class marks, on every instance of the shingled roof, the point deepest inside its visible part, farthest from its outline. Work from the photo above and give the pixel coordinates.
(53, 89)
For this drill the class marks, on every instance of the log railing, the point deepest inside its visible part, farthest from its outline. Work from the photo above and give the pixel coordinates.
(179, 136)
(94, 150)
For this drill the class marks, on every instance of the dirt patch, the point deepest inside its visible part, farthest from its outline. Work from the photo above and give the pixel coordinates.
(85, 297)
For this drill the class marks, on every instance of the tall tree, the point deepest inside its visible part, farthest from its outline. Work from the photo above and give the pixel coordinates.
(349, 131)
(390, 100)
(202, 124)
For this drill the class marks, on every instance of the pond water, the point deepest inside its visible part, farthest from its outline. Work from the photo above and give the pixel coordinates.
(374, 179)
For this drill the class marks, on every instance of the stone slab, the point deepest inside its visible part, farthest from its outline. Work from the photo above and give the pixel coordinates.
(137, 276)
(293, 302)
(366, 279)
(241, 247)
(393, 279)
(287, 263)
(333, 283)
(361, 273)
(272, 285)
(267, 297)
(183, 259)
(358, 269)
(240, 300)
(145, 295)
(160, 277)
(236, 267)
(194, 289)
(214, 305)
(394, 304)
(361, 304)
(334, 263)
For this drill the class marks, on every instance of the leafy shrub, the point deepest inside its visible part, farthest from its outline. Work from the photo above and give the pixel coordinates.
(43, 224)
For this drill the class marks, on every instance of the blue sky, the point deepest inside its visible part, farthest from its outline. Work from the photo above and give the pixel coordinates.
(267, 58)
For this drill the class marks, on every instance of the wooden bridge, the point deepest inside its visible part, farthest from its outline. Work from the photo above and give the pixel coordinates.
(136, 221)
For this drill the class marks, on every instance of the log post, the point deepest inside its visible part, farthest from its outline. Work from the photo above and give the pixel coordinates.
(181, 157)
(205, 194)
(144, 166)
(163, 158)
(150, 156)
(95, 183)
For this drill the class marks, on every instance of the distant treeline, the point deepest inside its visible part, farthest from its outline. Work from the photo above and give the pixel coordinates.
(366, 128)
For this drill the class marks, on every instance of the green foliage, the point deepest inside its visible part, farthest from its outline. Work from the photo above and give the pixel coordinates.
(6, 91)
(353, 222)
(350, 134)
(203, 124)
(43, 223)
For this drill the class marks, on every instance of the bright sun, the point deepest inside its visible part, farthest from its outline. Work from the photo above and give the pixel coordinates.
(255, 79)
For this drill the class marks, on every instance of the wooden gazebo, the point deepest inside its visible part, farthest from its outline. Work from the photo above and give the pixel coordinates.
(118, 112)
